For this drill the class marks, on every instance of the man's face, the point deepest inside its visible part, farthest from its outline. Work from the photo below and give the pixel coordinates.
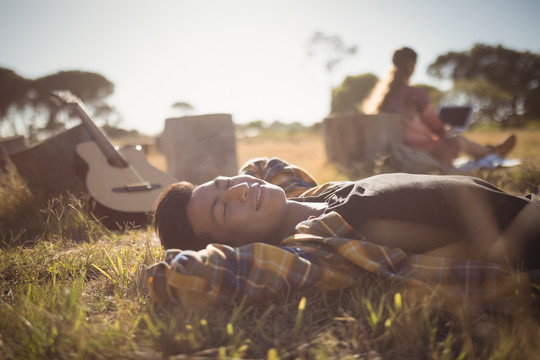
(410, 66)
(237, 210)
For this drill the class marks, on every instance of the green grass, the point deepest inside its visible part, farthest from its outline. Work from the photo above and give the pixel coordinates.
(69, 289)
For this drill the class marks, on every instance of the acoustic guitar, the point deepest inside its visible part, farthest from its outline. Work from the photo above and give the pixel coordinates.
(120, 180)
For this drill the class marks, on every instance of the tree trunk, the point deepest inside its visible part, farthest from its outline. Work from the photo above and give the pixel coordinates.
(200, 148)
(360, 138)
(50, 167)
(8, 146)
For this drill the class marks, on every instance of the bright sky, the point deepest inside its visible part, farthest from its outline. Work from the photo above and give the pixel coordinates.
(243, 57)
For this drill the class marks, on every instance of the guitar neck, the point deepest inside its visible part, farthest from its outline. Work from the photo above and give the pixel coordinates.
(113, 156)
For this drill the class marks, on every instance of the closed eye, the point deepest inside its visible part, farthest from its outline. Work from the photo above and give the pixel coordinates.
(225, 204)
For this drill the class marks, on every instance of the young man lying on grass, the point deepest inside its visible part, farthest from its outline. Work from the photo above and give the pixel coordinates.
(272, 229)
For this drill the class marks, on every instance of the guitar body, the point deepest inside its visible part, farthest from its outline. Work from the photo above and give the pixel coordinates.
(123, 184)
(117, 188)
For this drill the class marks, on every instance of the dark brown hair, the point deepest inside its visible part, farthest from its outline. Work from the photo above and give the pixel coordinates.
(401, 59)
(171, 221)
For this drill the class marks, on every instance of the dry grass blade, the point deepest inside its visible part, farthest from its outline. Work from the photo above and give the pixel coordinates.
(72, 289)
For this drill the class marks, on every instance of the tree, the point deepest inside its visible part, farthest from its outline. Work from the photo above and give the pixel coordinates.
(26, 105)
(492, 102)
(435, 95)
(349, 95)
(183, 106)
(518, 73)
(331, 48)
(12, 90)
(334, 50)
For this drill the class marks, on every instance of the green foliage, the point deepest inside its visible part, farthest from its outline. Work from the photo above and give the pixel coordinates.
(55, 305)
(184, 106)
(116, 132)
(435, 95)
(349, 95)
(259, 129)
(26, 104)
(332, 47)
(518, 73)
(25, 218)
(77, 291)
(494, 104)
(527, 180)
(13, 89)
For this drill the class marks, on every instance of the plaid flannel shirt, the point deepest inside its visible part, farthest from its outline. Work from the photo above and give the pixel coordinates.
(324, 253)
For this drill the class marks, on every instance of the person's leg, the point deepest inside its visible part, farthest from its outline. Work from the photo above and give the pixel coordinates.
(519, 243)
(506, 146)
(444, 153)
(478, 151)
(472, 148)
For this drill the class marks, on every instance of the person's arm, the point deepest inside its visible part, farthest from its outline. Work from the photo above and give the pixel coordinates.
(432, 120)
(325, 253)
(221, 274)
(427, 113)
(290, 178)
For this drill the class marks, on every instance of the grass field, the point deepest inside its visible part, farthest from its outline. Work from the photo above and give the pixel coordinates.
(307, 151)
(71, 289)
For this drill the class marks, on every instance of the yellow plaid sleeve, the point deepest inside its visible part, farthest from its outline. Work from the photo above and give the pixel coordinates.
(221, 273)
(293, 180)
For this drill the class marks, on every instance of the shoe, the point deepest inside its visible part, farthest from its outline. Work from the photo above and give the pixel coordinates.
(506, 146)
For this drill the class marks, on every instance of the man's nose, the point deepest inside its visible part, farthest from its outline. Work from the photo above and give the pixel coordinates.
(237, 192)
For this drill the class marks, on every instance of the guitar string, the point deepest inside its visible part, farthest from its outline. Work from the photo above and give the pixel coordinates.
(103, 142)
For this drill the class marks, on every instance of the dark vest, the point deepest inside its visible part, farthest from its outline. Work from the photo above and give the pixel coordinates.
(460, 204)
